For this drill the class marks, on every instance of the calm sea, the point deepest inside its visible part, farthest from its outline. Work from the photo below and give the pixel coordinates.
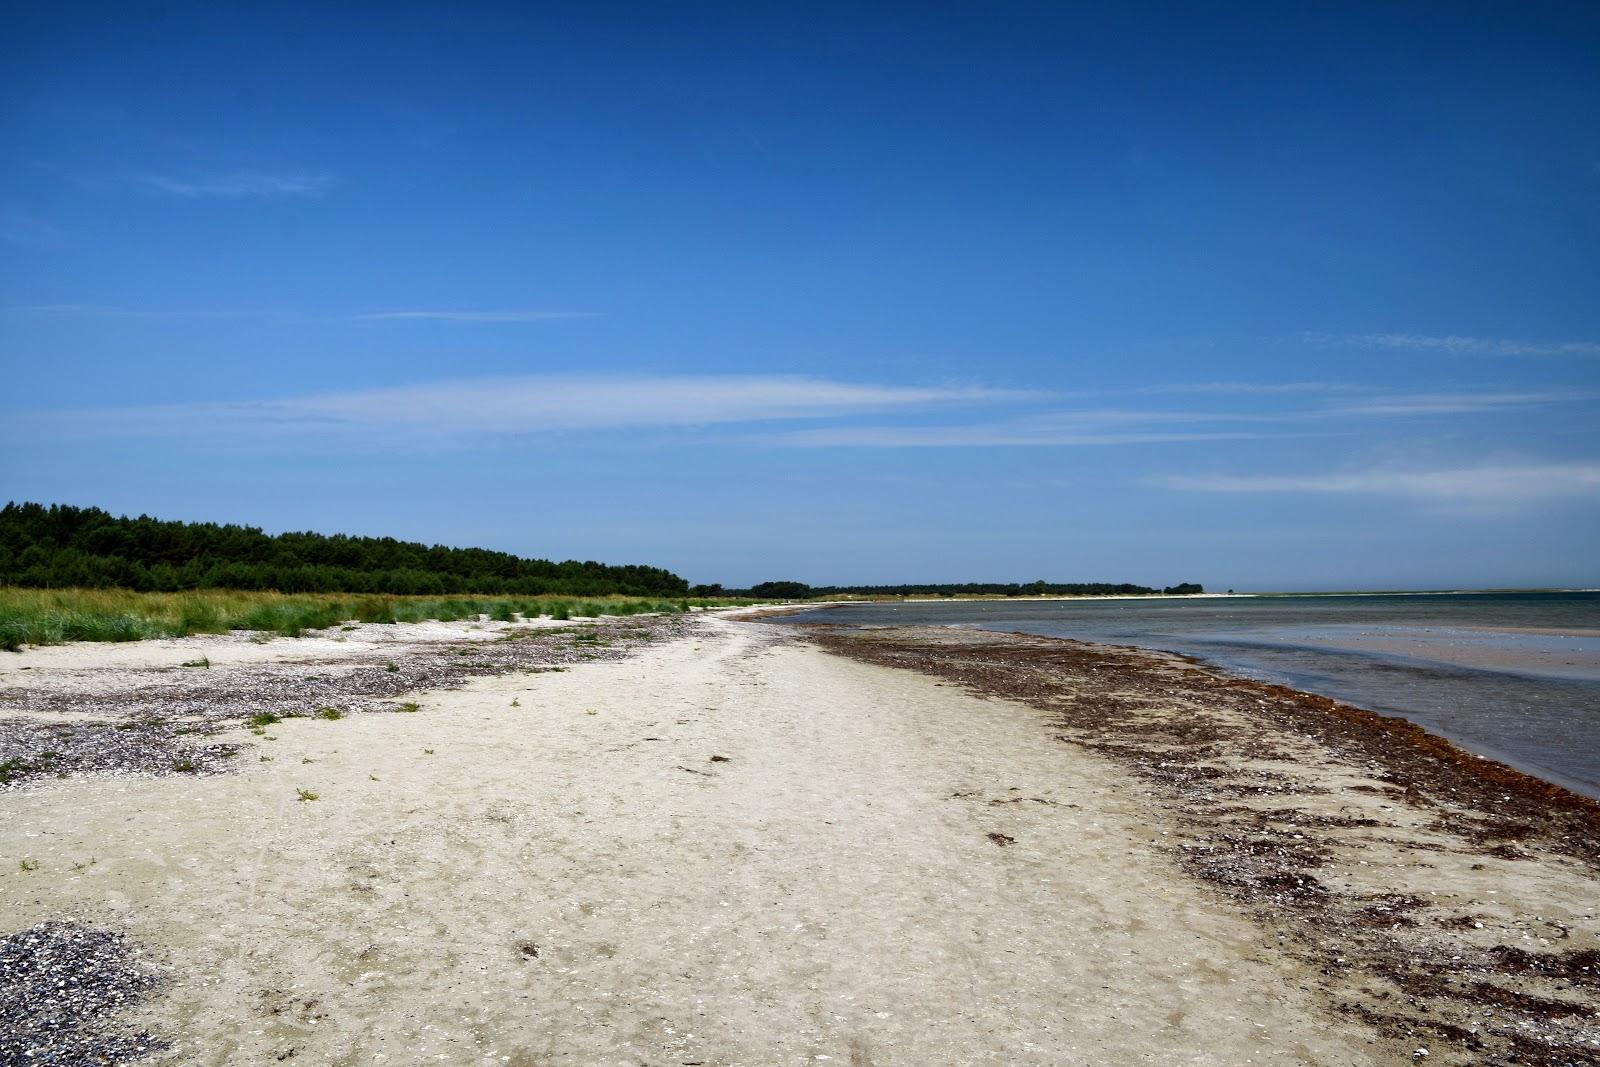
(1515, 676)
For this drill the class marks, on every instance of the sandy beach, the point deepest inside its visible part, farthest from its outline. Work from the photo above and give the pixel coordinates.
(708, 841)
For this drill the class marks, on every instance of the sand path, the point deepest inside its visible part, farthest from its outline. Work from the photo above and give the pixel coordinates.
(550, 886)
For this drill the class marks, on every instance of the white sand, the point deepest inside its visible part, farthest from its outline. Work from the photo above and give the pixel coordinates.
(830, 894)
(48, 664)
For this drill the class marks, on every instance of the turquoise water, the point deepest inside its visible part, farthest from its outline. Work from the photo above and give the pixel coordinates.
(1515, 676)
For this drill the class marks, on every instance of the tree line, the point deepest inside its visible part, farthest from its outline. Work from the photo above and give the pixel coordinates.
(57, 546)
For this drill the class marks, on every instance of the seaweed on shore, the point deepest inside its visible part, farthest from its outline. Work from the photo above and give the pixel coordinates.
(1267, 787)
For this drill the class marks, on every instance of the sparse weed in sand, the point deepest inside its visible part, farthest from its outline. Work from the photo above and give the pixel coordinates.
(184, 766)
(306, 794)
(391, 668)
(328, 713)
(13, 767)
(427, 752)
(203, 661)
(516, 703)
(264, 718)
(410, 706)
(27, 865)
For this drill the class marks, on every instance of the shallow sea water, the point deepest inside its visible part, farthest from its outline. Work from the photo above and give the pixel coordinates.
(1515, 676)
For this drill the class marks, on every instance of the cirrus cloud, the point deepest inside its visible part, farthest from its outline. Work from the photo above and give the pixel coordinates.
(491, 407)
(1487, 486)
(239, 185)
(1458, 345)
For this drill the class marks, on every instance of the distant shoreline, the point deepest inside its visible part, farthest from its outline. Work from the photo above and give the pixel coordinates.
(1073, 597)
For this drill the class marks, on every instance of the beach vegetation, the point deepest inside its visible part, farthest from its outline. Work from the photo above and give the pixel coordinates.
(54, 616)
(331, 714)
(306, 794)
(13, 768)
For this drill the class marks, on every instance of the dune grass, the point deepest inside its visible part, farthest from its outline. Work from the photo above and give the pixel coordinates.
(55, 616)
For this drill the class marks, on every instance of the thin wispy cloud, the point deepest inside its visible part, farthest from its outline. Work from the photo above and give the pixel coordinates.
(239, 185)
(986, 436)
(111, 311)
(1479, 487)
(1455, 403)
(518, 315)
(18, 228)
(1251, 388)
(1123, 426)
(858, 415)
(1458, 345)
(501, 407)
(1077, 427)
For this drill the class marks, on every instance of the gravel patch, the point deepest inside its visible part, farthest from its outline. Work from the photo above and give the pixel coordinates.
(160, 721)
(64, 991)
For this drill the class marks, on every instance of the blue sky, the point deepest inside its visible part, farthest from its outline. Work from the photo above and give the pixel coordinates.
(1257, 298)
